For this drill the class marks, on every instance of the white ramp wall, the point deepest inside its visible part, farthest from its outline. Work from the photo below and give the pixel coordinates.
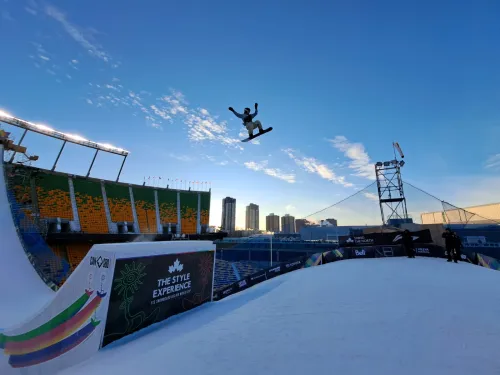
(68, 329)
(116, 290)
(21, 289)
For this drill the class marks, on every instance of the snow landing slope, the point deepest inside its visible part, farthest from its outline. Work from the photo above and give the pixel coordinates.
(364, 316)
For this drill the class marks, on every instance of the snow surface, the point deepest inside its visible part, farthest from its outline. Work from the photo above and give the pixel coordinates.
(22, 291)
(366, 316)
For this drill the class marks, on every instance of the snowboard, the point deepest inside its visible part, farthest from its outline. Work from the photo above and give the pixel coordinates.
(257, 135)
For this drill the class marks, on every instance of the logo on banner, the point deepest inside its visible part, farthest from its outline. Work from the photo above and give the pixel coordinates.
(360, 253)
(176, 267)
(349, 240)
(399, 237)
(99, 262)
(242, 283)
(422, 250)
(227, 291)
(363, 241)
(253, 278)
(293, 264)
(275, 269)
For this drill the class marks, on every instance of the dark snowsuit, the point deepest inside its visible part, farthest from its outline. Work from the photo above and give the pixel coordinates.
(457, 247)
(449, 242)
(408, 244)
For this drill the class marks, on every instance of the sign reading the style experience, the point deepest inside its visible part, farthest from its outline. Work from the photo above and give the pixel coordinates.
(150, 289)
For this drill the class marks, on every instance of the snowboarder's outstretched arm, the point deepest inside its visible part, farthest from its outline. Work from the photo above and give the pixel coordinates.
(247, 112)
(239, 115)
(256, 111)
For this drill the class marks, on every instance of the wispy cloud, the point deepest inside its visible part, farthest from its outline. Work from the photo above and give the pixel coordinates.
(289, 207)
(202, 126)
(45, 58)
(89, 102)
(273, 172)
(76, 33)
(312, 165)
(177, 103)
(215, 161)
(360, 161)
(163, 114)
(184, 158)
(31, 11)
(6, 16)
(371, 196)
(493, 162)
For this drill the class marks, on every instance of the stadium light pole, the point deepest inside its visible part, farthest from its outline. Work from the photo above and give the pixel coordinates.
(271, 255)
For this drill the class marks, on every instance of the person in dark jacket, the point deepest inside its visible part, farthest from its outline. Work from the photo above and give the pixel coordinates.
(449, 243)
(457, 247)
(408, 244)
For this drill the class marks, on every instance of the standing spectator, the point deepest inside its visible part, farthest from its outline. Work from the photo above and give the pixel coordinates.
(408, 244)
(449, 243)
(457, 247)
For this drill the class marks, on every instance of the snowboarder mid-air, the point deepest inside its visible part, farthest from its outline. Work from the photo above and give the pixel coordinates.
(248, 122)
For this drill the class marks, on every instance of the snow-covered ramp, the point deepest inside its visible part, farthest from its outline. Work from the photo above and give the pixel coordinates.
(369, 316)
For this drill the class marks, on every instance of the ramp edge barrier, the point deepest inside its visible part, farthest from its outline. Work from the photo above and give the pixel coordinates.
(343, 253)
(117, 290)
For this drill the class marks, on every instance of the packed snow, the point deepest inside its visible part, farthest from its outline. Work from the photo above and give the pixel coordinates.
(364, 316)
(22, 291)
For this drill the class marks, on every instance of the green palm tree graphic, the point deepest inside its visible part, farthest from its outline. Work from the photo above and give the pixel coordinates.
(127, 285)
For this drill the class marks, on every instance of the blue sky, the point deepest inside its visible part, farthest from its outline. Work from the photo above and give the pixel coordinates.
(338, 81)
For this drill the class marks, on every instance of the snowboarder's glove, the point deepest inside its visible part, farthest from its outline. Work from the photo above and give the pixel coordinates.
(231, 109)
(256, 105)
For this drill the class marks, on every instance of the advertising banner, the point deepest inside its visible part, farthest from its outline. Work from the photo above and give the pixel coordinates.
(256, 278)
(488, 262)
(292, 266)
(389, 251)
(150, 289)
(429, 250)
(273, 272)
(362, 252)
(333, 256)
(394, 238)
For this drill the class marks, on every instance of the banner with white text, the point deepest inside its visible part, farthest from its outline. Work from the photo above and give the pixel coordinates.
(150, 289)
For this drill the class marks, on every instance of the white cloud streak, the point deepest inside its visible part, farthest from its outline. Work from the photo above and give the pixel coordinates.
(273, 172)
(76, 33)
(31, 11)
(360, 161)
(184, 158)
(493, 162)
(312, 165)
(371, 196)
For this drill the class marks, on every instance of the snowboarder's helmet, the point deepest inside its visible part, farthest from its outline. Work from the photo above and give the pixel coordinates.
(247, 110)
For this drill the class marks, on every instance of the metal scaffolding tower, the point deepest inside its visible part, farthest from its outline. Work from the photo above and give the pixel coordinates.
(391, 195)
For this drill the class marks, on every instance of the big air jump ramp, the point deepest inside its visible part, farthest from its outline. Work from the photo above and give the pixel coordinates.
(116, 290)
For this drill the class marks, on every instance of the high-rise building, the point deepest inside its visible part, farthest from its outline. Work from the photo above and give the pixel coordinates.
(287, 224)
(300, 223)
(252, 217)
(332, 221)
(228, 215)
(272, 223)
